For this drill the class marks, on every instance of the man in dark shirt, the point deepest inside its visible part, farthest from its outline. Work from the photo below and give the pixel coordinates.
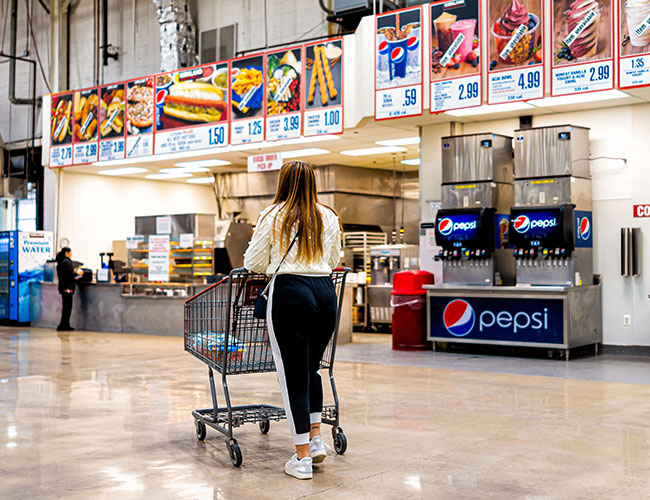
(67, 284)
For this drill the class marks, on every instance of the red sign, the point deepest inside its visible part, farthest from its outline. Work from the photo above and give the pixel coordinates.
(642, 210)
(264, 163)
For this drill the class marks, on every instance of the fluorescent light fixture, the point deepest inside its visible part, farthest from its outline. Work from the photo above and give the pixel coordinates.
(298, 153)
(203, 163)
(286, 142)
(201, 180)
(123, 171)
(163, 177)
(412, 161)
(373, 151)
(163, 157)
(564, 100)
(188, 170)
(406, 141)
(491, 108)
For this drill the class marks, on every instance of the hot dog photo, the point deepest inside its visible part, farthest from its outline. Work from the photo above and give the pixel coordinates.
(192, 97)
(111, 111)
(61, 119)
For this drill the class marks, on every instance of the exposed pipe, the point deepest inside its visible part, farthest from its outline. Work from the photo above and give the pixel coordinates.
(133, 8)
(31, 102)
(325, 9)
(96, 42)
(266, 24)
(284, 44)
(19, 101)
(46, 7)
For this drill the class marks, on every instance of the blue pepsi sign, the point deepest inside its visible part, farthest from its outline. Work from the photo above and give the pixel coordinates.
(536, 225)
(458, 227)
(584, 230)
(497, 319)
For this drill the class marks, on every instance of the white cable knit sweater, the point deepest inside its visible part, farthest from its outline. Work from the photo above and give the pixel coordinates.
(263, 254)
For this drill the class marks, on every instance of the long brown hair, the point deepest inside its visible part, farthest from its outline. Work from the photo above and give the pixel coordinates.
(298, 201)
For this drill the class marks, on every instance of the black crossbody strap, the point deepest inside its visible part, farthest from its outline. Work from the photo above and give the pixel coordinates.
(266, 288)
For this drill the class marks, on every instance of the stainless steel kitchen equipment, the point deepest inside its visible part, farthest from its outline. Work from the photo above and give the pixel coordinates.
(472, 226)
(551, 220)
(385, 261)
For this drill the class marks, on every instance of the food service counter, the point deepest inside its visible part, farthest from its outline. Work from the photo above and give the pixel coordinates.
(555, 317)
(102, 307)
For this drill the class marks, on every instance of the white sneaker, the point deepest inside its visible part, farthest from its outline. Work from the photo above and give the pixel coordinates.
(300, 469)
(317, 449)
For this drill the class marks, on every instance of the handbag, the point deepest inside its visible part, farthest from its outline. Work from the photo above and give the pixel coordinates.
(262, 299)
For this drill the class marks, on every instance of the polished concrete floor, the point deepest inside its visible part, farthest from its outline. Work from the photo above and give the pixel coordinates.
(107, 416)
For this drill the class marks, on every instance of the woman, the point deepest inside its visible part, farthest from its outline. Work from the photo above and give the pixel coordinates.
(67, 283)
(297, 241)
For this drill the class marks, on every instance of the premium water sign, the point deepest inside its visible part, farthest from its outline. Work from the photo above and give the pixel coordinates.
(473, 225)
(23, 255)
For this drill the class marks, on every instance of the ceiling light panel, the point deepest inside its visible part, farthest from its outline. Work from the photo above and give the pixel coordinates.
(406, 141)
(124, 171)
(373, 151)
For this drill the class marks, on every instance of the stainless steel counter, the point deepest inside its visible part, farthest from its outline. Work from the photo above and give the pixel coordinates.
(102, 307)
(556, 317)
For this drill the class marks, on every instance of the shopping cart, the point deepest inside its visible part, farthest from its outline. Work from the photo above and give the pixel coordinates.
(221, 331)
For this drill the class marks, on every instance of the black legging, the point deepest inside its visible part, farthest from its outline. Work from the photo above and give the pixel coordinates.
(66, 309)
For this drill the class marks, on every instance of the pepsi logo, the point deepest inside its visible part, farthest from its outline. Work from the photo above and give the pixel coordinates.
(413, 43)
(445, 226)
(383, 47)
(585, 228)
(398, 55)
(522, 223)
(458, 318)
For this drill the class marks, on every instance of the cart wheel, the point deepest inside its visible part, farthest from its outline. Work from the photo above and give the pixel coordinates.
(265, 426)
(235, 452)
(200, 430)
(340, 442)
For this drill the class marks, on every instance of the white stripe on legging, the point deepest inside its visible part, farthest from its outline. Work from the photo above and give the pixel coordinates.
(279, 366)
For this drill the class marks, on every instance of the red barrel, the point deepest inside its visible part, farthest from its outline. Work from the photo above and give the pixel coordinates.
(409, 311)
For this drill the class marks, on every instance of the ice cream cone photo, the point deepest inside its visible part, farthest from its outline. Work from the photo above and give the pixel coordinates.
(582, 31)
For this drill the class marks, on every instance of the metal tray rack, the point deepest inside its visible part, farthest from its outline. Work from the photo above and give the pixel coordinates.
(221, 331)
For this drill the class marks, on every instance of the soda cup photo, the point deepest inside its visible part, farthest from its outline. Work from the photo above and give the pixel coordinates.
(398, 44)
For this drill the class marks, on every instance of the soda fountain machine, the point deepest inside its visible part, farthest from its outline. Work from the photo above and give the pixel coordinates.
(556, 302)
(551, 221)
(472, 227)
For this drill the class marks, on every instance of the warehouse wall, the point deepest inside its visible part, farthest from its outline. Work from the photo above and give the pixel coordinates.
(95, 209)
(288, 20)
(617, 185)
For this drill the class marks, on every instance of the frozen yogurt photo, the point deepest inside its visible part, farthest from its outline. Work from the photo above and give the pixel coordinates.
(455, 47)
(516, 33)
(634, 29)
(583, 31)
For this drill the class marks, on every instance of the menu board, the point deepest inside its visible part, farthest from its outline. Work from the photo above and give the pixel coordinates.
(86, 120)
(192, 109)
(139, 117)
(247, 93)
(455, 51)
(61, 122)
(634, 40)
(582, 59)
(324, 88)
(398, 64)
(515, 70)
(283, 94)
(111, 122)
